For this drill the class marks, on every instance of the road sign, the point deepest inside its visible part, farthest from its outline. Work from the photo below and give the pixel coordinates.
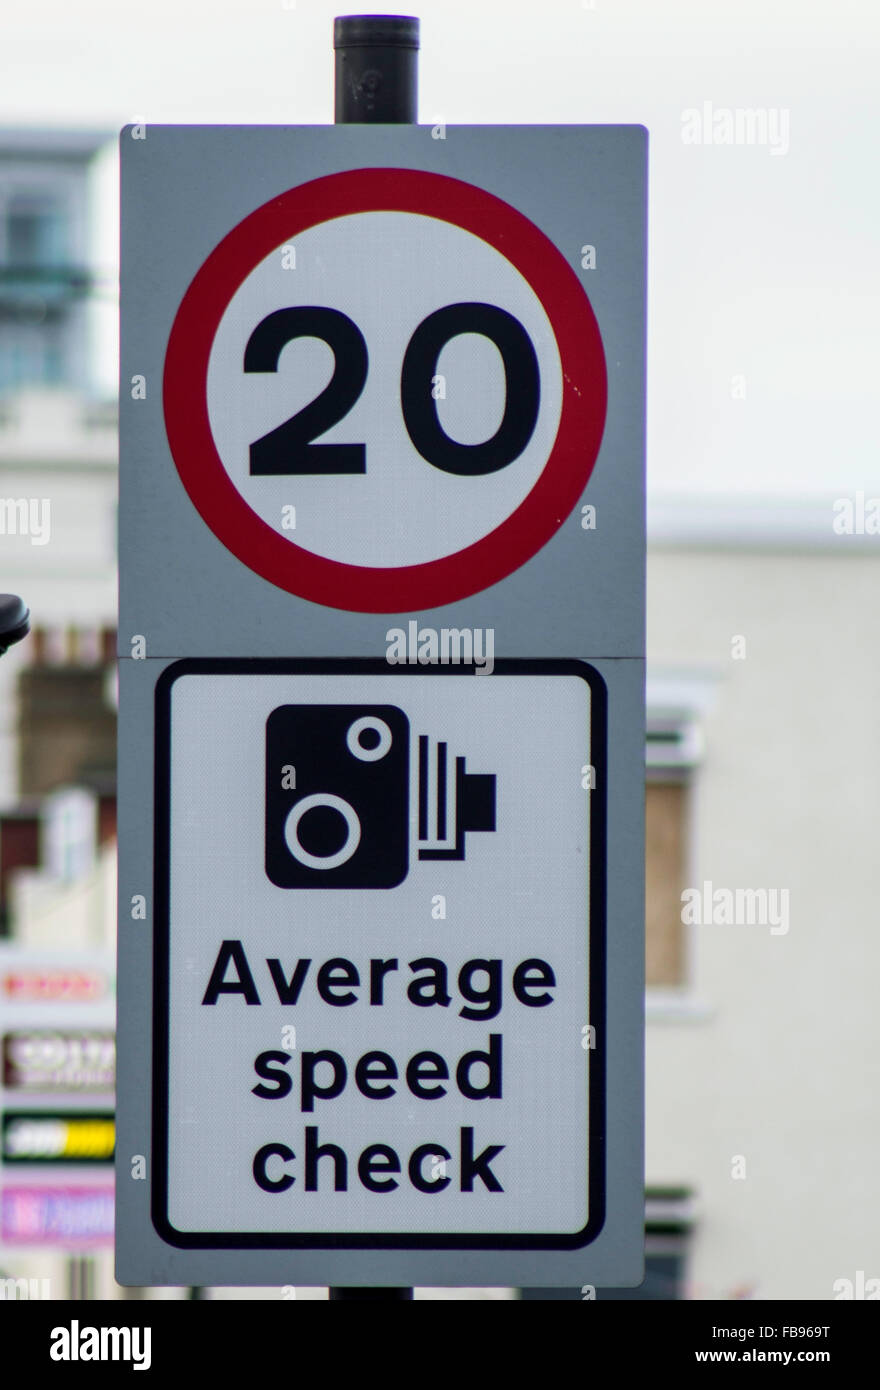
(439, 490)
(374, 965)
(474, 481)
(381, 706)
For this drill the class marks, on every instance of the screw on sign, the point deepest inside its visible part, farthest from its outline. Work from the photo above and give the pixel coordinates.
(405, 364)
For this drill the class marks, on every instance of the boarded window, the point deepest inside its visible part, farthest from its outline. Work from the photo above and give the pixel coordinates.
(665, 821)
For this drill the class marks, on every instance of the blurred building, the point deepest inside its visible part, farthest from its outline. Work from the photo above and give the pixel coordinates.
(58, 445)
(763, 1086)
(762, 804)
(762, 807)
(46, 271)
(57, 727)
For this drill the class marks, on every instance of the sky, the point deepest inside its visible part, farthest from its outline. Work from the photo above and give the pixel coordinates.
(764, 290)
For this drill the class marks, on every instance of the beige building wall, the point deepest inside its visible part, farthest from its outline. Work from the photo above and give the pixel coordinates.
(768, 1062)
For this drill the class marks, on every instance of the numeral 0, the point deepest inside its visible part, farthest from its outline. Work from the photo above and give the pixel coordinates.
(290, 448)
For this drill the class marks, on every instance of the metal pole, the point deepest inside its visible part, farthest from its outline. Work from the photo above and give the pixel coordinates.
(376, 69)
(376, 82)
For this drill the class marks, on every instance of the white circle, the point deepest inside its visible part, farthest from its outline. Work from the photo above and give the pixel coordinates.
(368, 755)
(327, 861)
(402, 510)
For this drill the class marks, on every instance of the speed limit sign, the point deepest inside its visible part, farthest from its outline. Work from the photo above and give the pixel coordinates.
(381, 848)
(405, 360)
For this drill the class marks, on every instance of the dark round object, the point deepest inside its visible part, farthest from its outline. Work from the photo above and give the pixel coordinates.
(15, 620)
(322, 831)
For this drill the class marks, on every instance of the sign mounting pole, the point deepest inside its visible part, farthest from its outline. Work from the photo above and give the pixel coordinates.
(376, 81)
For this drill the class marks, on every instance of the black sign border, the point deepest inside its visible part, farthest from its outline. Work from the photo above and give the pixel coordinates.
(161, 952)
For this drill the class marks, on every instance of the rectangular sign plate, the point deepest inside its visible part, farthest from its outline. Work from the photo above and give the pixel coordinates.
(374, 991)
(381, 769)
(480, 446)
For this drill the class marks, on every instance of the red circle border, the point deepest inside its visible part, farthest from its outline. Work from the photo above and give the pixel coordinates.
(405, 588)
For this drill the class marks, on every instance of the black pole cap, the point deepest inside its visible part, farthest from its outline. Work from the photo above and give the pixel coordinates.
(15, 620)
(375, 30)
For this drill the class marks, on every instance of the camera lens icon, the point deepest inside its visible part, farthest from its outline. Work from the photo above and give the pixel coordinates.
(337, 796)
(322, 801)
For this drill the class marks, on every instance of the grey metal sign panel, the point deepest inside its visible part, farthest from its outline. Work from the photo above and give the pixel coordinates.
(381, 705)
(369, 371)
(380, 985)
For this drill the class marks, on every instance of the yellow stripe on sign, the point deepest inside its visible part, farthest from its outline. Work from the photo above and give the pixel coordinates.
(56, 1138)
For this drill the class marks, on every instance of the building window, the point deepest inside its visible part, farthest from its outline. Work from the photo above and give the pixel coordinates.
(665, 839)
(34, 232)
(70, 833)
(39, 289)
(677, 705)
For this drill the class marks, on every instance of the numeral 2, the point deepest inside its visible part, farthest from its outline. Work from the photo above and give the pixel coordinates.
(290, 448)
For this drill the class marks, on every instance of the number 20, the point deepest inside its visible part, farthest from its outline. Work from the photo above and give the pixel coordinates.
(290, 448)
